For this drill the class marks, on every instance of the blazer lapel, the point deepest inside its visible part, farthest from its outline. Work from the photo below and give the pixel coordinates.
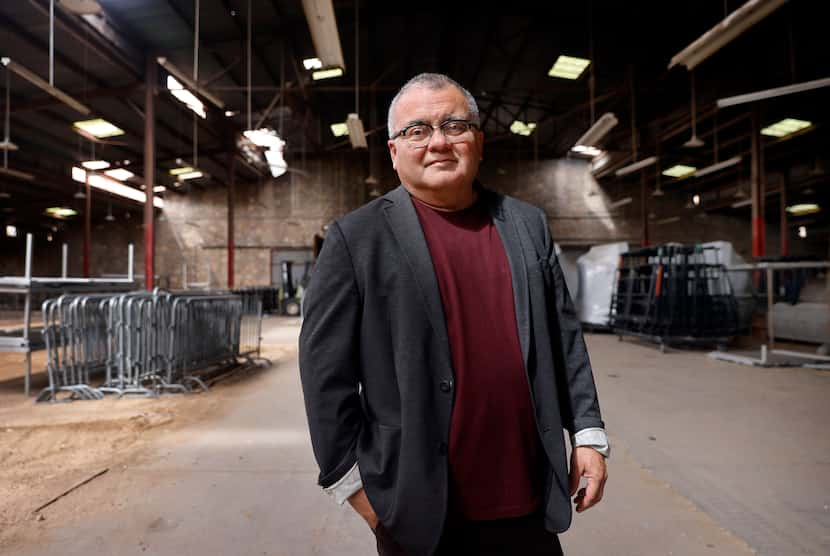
(506, 226)
(402, 219)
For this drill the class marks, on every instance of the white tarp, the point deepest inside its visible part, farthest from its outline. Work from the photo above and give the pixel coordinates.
(597, 274)
(727, 256)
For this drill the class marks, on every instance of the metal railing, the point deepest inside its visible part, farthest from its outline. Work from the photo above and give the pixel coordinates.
(146, 343)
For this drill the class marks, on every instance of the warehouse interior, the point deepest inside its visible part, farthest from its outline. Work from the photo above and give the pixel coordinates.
(206, 146)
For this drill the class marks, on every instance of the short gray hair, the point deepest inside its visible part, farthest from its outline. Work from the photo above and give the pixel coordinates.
(434, 81)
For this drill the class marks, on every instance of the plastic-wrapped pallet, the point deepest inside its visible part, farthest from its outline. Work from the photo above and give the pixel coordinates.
(741, 282)
(597, 274)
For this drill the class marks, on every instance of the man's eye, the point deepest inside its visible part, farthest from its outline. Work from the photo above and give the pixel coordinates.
(417, 131)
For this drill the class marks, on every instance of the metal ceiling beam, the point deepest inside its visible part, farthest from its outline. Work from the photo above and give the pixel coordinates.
(48, 102)
(508, 75)
(125, 56)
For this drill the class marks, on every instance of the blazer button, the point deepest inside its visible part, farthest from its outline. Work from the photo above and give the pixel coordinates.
(442, 448)
(445, 386)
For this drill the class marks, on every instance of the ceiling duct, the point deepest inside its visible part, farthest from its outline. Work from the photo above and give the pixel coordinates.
(724, 32)
(600, 128)
(41, 84)
(776, 92)
(324, 35)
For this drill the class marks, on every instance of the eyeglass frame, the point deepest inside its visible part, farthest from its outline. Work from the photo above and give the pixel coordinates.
(440, 127)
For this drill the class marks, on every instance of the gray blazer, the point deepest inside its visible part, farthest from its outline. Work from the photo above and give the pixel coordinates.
(376, 369)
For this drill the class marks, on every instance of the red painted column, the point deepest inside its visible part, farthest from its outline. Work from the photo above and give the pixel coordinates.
(785, 224)
(757, 187)
(149, 170)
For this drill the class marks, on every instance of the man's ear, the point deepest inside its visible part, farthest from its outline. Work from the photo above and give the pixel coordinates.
(393, 152)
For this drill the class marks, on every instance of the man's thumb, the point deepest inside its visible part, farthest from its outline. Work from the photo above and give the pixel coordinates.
(574, 477)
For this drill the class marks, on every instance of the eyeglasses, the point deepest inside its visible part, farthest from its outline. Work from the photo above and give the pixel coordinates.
(418, 135)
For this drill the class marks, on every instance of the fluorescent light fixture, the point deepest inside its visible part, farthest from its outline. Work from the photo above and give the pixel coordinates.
(11, 231)
(718, 166)
(95, 164)
(326, 74)
(724, 32)
(82, 7)
(190, 175)
(356, 134)
(61, 212)
(323, 26)
(99, 128)
(159, 189)
(696, 200)
(600, 128)
(668, 220)
(16, 174)
(185, 96)
(802, 231)
(43, 85)
(786, 127)
(7, 146)
(803, 208)
(120, 174)
(600, 162)
(522, 128)
(587, 150)
(568, 67)
(181, 170)
(339, 130)
(776, 92)
(679, 171)
(744, 203)
(114, 187)
(276, 162)
(231, 113)
(182, 78)
(621, 202)
(312, 63)
(264, 137)
(639, 165)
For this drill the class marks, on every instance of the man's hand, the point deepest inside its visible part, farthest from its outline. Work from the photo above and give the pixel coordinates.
(361, 505)
(587, 462)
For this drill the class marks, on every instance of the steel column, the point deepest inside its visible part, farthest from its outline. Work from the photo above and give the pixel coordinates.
(149, 169)
(231, 185)
(87, 226)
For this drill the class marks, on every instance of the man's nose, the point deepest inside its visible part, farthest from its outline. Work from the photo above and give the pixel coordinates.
(437, 140)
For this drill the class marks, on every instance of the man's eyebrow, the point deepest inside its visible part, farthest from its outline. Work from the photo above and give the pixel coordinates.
(442, 119)
(414, 122)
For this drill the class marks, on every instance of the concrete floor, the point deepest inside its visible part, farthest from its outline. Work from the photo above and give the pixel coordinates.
(709, 458)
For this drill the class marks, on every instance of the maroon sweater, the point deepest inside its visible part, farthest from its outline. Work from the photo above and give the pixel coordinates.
(494, 448)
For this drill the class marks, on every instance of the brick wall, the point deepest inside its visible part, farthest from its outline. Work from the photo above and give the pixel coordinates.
(288, 211)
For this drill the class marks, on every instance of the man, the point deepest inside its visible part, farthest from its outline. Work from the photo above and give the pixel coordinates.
(441, 357)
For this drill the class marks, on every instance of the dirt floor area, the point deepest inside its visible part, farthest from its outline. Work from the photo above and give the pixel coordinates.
(47, 448)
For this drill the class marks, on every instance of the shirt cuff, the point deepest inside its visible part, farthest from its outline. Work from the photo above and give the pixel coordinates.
(595, 438)
(346, 486)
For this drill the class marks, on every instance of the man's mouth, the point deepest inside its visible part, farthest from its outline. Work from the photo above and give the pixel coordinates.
(441, 160)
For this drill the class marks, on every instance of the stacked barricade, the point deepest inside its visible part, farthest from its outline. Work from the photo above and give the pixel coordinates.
(145, 343)
(674, 294)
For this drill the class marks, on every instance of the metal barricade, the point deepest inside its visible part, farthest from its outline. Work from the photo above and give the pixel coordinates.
(146, 343)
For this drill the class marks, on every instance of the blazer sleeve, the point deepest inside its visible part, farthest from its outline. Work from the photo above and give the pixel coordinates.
(577, 391)
(329, 359)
